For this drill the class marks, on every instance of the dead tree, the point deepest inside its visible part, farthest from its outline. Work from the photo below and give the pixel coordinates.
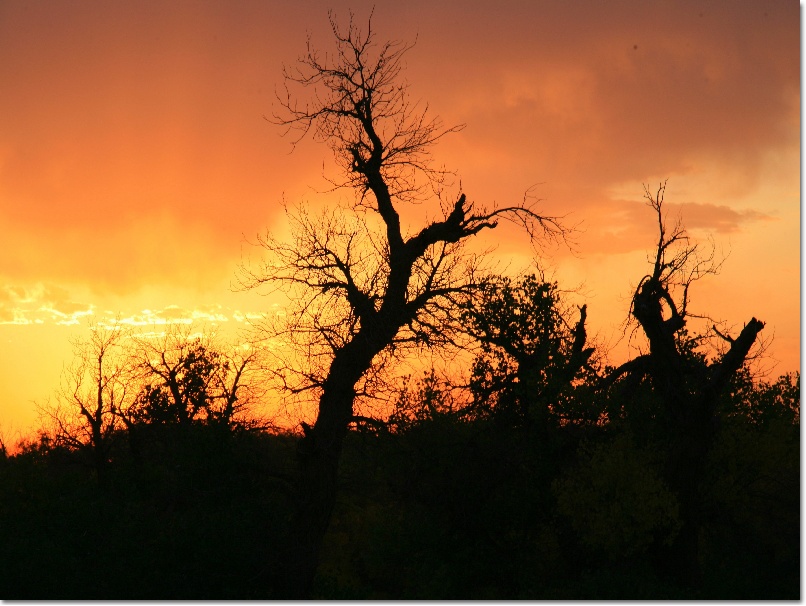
(362, 286)
(689, 390)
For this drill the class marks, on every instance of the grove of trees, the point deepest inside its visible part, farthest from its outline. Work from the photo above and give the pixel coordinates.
(537, 470)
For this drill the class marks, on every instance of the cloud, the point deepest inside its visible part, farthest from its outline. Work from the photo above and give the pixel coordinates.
(174, 314)
(45, 303)
(134, 154)
(621, 226)
(13, 316)
(600, 97)
(40, 303)
(718, 218)
(109, 153)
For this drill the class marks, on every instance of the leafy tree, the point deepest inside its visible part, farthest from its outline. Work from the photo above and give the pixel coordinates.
(365, 286)
(617, 500)
(530, 352)
(761, 402)
(189, 379)
(180, 395)
(751, 492)
(429, 398)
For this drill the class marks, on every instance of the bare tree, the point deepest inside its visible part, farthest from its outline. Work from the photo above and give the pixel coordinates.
(235, 387)
(93, 388)
(361, 286)
(689, 388)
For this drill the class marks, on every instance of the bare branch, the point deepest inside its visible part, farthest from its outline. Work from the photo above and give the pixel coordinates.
(360, 107)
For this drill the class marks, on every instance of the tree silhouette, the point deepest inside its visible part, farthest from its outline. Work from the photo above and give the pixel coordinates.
(430, 398)
(235, 387)
(187, 379)
(688, 385)
(364, 287)
(530, 350)
(179, 395)
(96, 385)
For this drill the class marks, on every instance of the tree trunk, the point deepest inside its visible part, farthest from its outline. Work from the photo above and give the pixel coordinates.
(691, 399)
(692, 442)
(318, 452)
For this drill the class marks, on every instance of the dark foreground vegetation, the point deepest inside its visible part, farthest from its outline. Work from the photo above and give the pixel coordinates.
(485, 504)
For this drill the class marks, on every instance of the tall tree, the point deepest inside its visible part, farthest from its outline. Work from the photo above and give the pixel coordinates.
(363, 284)
(688, 385)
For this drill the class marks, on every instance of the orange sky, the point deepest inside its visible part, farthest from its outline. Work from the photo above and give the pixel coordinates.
(134, 156)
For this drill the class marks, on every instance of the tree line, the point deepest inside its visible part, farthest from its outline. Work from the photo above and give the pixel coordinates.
(122, 382)
(545, 473)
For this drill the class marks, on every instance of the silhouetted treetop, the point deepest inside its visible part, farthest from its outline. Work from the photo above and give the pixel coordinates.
(361, 107)
(382, 140)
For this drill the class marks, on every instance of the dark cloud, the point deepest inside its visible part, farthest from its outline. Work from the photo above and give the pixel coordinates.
(583, 105)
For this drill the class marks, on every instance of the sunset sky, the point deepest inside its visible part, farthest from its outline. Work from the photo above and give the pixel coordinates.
(136, 164)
